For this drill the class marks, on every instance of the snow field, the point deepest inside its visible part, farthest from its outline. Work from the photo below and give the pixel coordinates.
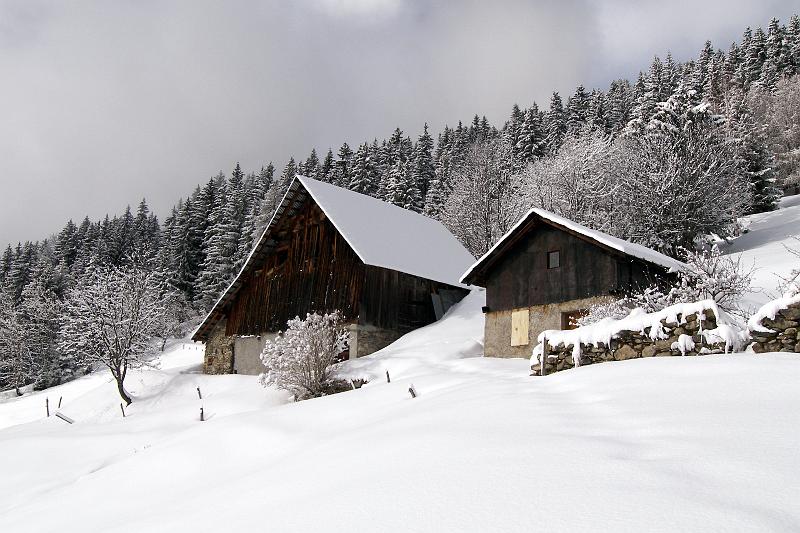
(657, 444)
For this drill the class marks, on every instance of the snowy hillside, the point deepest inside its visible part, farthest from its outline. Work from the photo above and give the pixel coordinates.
(764, 247)
(659, 444)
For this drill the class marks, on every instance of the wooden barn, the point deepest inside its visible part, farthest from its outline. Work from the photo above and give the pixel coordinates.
(548, 270)
(386, 269)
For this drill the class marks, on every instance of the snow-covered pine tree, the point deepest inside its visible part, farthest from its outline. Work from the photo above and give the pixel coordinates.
(273, 197)
(597, 119)
(757, 161)
(423, 170)
(328, 167)
(18, 363)
(530, 140)
(342, 175)
(793, 46)
(555, 124)
(756, 56)
(619, 101)
(311, 167)
(699, 74)
(361, 175)
(5, 264)
(577, 111)
(220, 249)
(514, 125)
(66, 245)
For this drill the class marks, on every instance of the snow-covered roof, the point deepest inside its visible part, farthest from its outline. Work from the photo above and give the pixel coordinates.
(381, 234)
(628, 248)
(387, 236)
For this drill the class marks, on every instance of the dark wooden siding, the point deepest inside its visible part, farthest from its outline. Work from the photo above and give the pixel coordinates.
(312, 268)
(521, 277)
(397, 301)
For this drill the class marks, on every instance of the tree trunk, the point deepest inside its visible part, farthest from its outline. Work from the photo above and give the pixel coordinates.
(122, 392)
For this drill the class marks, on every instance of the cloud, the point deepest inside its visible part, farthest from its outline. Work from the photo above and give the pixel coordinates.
(108, 102)
(364, 8)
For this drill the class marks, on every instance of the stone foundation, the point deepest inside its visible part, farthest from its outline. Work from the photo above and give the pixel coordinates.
(365, 339)
(242, 355)
(637, 344)
(497, 338)
(219, 351)
(785, 334)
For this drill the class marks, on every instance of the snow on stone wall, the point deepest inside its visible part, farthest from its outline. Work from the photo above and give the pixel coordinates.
(774, 328)
(685, 329)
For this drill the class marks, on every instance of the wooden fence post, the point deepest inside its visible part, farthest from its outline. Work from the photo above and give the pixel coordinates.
(199, 394)
(122, 409)
(412, 391)
(59, 401)
(388, 379)
(47, 406)
(202, 418)
(542, 370)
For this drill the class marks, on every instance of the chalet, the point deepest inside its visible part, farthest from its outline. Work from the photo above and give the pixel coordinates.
(547, 270)
(386, 269)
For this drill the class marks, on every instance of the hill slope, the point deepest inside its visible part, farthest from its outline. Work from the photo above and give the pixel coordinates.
(659, 444)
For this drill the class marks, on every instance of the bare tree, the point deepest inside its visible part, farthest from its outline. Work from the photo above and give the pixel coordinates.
(112, 318)
(486, 199)
(577, 182)
(676, 188)
(299, 359)
(791, 283)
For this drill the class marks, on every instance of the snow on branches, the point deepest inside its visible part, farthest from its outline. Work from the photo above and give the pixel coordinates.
(112, 317)
(299, 359)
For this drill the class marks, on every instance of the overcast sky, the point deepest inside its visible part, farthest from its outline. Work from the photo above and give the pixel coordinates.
(104, 103)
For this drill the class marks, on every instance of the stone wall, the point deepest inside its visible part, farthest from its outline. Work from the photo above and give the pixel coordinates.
(365, 339)
(219, 351)
(497, 334)
(785, 334)
(637, 344)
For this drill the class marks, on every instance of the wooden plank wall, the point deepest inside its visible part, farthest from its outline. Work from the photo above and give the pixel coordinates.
(397, 301)
(311, 268)
(521, 278)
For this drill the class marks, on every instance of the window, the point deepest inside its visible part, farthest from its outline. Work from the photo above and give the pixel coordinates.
(519, 327)
(553, 259)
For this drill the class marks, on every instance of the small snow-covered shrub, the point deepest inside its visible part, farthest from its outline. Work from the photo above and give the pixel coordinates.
(299, 359)
(714, 276)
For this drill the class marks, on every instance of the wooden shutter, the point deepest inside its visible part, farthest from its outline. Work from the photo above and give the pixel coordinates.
(519, 327)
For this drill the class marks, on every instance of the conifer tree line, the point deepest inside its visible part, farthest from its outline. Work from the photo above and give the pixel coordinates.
(723, 126)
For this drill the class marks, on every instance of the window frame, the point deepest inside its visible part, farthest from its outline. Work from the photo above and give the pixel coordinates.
(558, 257)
